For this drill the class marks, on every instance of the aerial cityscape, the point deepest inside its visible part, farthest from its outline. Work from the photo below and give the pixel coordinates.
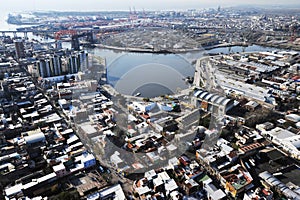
(160, 100)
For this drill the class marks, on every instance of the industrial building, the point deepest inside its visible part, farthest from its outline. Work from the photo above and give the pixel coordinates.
(207, 101)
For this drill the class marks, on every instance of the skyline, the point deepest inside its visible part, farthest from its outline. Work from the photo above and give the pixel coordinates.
(95, 5)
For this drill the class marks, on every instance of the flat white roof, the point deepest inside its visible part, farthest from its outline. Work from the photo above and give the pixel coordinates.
(171, 185)
(39, 180)
(150, 174)
(158, 181)
(89, 129)
(72, 138)
(47, 177)
(84, 157)
(246, 89)
(67, 131)
(293, 117)
(171, 147)
(219, 194)
(108, 132)
(115, 158)
(142, 190)
(59, 167)
(281, 133)
(14, 189)
(164, 176)
(192, 182)
(21, 89)
(117, 190)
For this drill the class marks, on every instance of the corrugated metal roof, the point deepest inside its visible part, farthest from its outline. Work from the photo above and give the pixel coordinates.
(202, 95)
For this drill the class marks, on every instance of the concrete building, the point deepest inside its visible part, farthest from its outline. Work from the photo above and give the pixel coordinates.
(289, 141)
(60, 170)
(293, 117)
(114, 192)
(55, 65)
(73, 64)
(43, 67)
(271, 181)
(83, 59)
(20, 50)
(88, 160)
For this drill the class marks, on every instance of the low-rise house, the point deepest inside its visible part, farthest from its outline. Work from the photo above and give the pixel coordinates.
(236, 180)
(190, 186)
(155, 183)
(270, 181)
(293, 118)
(86, 159)
(60, 170)
(259, 194)
(251, 105)
(114, 192)
(213, 192)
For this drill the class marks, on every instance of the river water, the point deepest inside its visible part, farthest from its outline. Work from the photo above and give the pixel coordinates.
(147, 73)
(156, 74)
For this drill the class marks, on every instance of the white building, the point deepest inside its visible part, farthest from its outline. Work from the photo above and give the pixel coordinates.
(60, 170)
(87, 159)
(289, 141)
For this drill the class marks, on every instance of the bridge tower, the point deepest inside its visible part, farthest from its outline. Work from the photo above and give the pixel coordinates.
(25, 36)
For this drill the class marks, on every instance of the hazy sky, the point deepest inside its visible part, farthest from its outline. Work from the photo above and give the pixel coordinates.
(20, 5)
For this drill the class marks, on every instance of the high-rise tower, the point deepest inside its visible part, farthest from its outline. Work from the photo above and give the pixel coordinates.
(20, 50)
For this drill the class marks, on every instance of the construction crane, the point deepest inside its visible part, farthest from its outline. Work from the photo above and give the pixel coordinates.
(72, 34)
(132, 15)
(144, 14)
(61, 33)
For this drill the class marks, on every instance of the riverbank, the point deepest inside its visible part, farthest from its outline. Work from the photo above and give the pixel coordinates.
(233, 44)
(165, 51)
(144, 50)
(286, 46)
